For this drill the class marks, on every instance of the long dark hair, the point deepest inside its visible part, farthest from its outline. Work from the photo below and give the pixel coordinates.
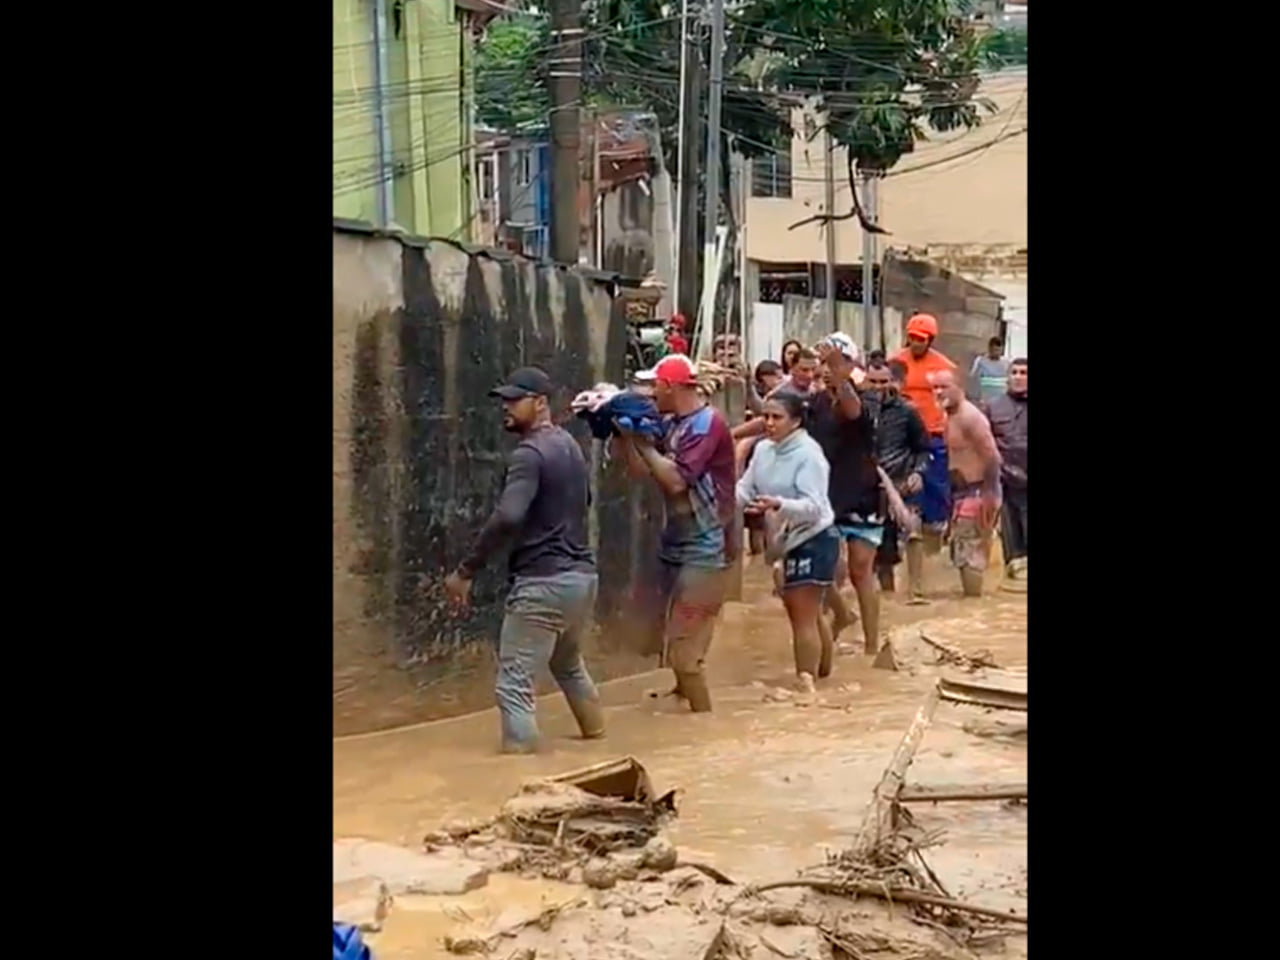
(782, 360)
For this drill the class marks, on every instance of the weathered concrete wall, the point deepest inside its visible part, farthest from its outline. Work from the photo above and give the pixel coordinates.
(968, 314)
(422, 330)
(805, 319)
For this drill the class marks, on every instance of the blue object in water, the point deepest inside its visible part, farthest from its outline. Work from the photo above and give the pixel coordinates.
(348, 944)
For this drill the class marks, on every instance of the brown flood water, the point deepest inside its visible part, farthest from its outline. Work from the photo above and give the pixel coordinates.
(766, 788)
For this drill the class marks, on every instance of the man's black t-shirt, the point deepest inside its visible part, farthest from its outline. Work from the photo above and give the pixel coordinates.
(850, 447)
(543, 507)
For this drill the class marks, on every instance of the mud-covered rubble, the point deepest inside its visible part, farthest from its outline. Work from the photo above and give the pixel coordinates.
(684, 915)
(636, 899)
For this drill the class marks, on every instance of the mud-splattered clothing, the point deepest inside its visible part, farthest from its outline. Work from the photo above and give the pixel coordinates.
(700, 519)
(970, 541)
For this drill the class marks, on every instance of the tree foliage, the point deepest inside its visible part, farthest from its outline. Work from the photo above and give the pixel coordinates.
(511, 88)
(885, 72)
(1005, 47)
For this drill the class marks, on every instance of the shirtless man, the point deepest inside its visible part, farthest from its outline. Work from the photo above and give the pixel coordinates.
(974, 468)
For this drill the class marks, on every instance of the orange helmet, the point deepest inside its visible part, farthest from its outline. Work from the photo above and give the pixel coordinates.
(922, 325)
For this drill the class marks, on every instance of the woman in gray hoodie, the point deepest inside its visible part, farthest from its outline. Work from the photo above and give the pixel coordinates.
(786, 482)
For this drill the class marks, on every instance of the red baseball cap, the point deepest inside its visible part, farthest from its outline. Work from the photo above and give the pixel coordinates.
(922, 326)
(676, 368)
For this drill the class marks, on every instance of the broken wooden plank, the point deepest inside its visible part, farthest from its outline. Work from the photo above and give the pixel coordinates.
(878, 820)
(1004, 691)
(917, 793)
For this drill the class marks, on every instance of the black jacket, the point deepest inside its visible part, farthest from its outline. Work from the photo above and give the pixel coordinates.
(902, 444)
(1008, 416)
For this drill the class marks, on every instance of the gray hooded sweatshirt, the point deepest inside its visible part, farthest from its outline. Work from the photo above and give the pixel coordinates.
(796, 472)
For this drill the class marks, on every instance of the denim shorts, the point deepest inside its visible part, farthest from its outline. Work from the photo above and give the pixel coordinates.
(812, 563)
(871, 533)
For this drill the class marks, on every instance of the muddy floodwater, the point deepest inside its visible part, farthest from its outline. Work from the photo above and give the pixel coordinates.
(768, 785)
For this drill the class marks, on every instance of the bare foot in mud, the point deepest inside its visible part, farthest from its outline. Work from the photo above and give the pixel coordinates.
(806, 691)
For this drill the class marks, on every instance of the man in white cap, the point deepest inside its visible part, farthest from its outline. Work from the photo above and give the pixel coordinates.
(845, 429)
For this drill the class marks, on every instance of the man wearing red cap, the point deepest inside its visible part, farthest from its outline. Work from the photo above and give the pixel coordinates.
(922, 364)
(694, 467)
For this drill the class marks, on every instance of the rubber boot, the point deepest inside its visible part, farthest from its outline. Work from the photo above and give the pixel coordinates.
(590, 717)
(696, 691)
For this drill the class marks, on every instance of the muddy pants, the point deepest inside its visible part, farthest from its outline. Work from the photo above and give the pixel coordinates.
(542, 626)
(970, 542)
(692, 598)
(1013, 524)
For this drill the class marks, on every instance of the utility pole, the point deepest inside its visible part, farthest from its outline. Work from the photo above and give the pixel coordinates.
(831, 228)
(566, 128)
(381, 89)
(686, 294)
(872, 211)
(742, 189)
(680, 145)
(712, 220)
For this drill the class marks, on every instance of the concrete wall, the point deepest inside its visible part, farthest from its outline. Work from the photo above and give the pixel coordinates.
(978, 197)
(968, 314)
(421, 331)
(805, 319)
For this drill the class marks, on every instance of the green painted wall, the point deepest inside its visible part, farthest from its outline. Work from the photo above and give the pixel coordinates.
(355, 145)
(429, 108)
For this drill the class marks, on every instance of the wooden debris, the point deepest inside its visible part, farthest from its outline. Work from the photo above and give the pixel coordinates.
(952, 655)
(999, 689)
(891, 894)
(978, 791)
(886, 659)
(877, 821)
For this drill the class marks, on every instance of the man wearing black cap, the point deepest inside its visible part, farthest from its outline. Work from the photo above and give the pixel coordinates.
(552, 572)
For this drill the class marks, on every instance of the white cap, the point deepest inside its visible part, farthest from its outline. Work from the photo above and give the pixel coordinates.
(844, 343)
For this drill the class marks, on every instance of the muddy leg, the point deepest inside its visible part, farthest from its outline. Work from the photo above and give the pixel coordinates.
(915, 570)
(570, 672)
(862, 557)
(803, 605)
(834, 601)
(532, 624)
(970, 546)
(885, 575)
(827, 659)
(696, 603)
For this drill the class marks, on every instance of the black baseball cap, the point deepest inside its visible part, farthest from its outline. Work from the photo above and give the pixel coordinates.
(525, 382)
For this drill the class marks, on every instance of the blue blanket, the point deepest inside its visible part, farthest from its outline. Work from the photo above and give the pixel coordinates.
(347, 943)
(634, 411)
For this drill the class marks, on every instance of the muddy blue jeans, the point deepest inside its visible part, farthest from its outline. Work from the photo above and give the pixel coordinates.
(543, 626)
